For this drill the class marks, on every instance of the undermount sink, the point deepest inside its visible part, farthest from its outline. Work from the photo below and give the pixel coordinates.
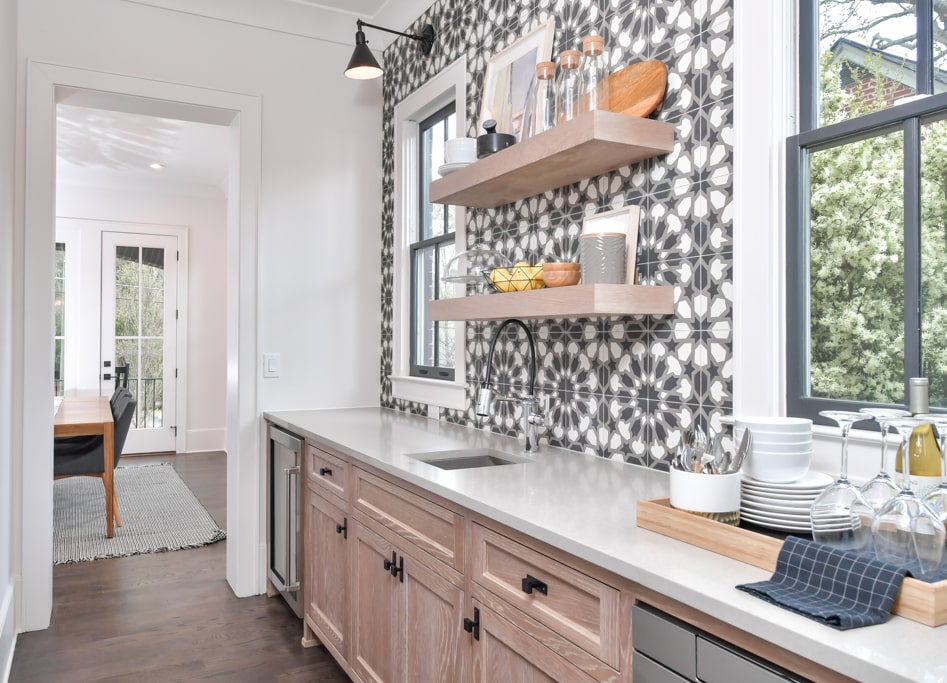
(468, 458)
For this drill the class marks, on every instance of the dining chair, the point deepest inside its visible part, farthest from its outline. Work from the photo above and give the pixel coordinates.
(78, 444)
(88, 459)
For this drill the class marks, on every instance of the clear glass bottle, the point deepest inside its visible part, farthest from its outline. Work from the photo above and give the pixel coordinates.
(924, 455)
(569, 86)
(594, 72)
(543, 114)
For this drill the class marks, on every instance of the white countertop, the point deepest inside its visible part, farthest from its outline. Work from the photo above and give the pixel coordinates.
(585, 505)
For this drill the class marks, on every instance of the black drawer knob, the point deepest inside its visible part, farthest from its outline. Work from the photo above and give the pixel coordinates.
(325, 472)
(531, 583)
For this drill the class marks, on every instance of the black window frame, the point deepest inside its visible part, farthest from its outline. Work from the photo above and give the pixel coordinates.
(909, 117)
(417, 245)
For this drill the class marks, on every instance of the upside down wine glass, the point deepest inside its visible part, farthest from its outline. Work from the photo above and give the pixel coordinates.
(906, 530)
(840, 515)
(881, 488)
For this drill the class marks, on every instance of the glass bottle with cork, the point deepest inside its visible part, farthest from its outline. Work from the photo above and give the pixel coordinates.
(569, 86)
(923, 454)
(543, 112)
(595, 87)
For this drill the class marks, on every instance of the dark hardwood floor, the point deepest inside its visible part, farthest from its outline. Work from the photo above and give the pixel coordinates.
(168, 616)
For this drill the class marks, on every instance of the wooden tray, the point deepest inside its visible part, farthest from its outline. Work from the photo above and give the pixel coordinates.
(917, 600)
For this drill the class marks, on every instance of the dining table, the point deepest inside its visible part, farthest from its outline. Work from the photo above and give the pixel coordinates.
(91, 416)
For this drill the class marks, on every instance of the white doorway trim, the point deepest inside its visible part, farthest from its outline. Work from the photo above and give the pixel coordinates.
(34, 239)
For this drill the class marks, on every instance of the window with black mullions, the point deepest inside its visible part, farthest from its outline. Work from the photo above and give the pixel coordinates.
(432, 246)
(867, 206)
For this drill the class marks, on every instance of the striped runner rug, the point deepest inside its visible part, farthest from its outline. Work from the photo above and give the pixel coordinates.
(158, 511)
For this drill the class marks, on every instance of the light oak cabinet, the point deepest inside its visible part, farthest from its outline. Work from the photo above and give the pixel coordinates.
(503, 652)
(406, 616)
(403, 586)
(327, 569)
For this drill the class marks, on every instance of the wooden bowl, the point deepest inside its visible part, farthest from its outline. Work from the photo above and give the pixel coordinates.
(561, 267)
(561, 278)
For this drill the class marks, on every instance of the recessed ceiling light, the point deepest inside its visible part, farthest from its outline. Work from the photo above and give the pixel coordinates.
(156, 166)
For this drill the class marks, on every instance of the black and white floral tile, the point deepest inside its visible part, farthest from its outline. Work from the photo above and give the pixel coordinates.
(621, 387)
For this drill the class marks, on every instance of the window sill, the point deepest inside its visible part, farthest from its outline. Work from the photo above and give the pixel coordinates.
(451, 395)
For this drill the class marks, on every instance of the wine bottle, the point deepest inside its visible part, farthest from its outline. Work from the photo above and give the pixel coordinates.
(923, 453)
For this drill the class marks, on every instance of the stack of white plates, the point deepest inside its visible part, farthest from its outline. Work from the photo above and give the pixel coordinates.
(782, 506)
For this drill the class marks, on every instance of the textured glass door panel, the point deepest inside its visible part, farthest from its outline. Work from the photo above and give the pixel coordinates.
(142, 281)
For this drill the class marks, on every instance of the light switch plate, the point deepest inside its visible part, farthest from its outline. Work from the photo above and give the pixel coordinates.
(271, 363)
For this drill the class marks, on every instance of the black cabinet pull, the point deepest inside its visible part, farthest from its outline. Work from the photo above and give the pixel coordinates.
(399, 570)
(343, 528)
(531, 583)
(388, 564)
(473, 625)
(325, 472)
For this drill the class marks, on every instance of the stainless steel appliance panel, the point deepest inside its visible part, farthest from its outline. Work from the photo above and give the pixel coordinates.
(284, 459)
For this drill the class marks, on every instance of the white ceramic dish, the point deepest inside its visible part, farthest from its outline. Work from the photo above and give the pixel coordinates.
(782, 425)
(784, 501)
(791, 510)
(779, 444)
(811, 481)
(777, 468)
(447, 169)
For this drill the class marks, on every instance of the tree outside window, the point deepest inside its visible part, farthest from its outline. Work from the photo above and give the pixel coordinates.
(868, 257)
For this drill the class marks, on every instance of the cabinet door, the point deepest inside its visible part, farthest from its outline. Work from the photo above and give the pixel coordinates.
(375, 608)
(327, 569)
(431, 623)
(505, 654)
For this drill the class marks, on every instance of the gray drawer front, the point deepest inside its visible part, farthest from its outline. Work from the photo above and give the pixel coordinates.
(646, 671)
(716, 664)
(664, 641)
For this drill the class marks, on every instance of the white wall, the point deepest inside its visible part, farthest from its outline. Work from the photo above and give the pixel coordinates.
(320, 201)
(204, 212)
(7, 137)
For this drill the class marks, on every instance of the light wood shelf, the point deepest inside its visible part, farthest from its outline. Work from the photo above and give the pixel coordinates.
(594, 143)
(578, 301)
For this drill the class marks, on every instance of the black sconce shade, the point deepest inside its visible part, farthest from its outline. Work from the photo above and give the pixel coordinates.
(363, 64)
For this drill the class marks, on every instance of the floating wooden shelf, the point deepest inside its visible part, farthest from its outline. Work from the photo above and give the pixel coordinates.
(594, 143)
(578, 301)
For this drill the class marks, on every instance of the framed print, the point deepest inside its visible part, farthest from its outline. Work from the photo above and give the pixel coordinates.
(625, 221)
(511, 79)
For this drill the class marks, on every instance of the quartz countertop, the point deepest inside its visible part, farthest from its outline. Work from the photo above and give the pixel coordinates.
(585, 505)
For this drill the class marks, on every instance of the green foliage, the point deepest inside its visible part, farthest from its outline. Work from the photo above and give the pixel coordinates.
(856, 265)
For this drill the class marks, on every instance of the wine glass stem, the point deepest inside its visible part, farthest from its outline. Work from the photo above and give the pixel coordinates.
(905, 462)
(845, 429)
(884, 447)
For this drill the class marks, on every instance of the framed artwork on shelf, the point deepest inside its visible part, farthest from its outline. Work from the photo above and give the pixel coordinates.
(511, 79)
(625, 221)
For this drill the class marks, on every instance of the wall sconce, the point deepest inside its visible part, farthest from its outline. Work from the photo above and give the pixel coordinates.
(363, 64)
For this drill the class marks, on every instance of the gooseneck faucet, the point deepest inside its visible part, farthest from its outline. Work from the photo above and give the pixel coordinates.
(532, 416)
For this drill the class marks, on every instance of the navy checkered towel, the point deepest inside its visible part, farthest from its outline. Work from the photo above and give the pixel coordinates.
(836, 587)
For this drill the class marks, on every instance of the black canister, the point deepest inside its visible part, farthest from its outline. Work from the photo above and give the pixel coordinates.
(492, 141)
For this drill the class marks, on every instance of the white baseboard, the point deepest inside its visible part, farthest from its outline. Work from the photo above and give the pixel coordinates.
(200, 440)
(7, 632)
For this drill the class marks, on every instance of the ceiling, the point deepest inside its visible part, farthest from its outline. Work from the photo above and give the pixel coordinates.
(110, 143)
(100, 147)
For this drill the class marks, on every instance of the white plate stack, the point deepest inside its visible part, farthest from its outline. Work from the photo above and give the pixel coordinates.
(781, 447)
(781, 506)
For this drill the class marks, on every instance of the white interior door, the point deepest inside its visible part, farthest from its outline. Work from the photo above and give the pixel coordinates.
(139, 331)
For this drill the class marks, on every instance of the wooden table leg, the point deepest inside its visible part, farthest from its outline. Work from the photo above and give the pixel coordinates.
(108, 477)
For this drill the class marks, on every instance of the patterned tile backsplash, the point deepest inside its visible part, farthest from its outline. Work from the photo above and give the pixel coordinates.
(618, 387)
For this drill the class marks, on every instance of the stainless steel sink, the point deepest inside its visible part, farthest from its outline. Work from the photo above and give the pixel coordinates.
(468, 458)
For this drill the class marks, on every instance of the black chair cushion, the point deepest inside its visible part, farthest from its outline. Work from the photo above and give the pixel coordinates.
(70, 459)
